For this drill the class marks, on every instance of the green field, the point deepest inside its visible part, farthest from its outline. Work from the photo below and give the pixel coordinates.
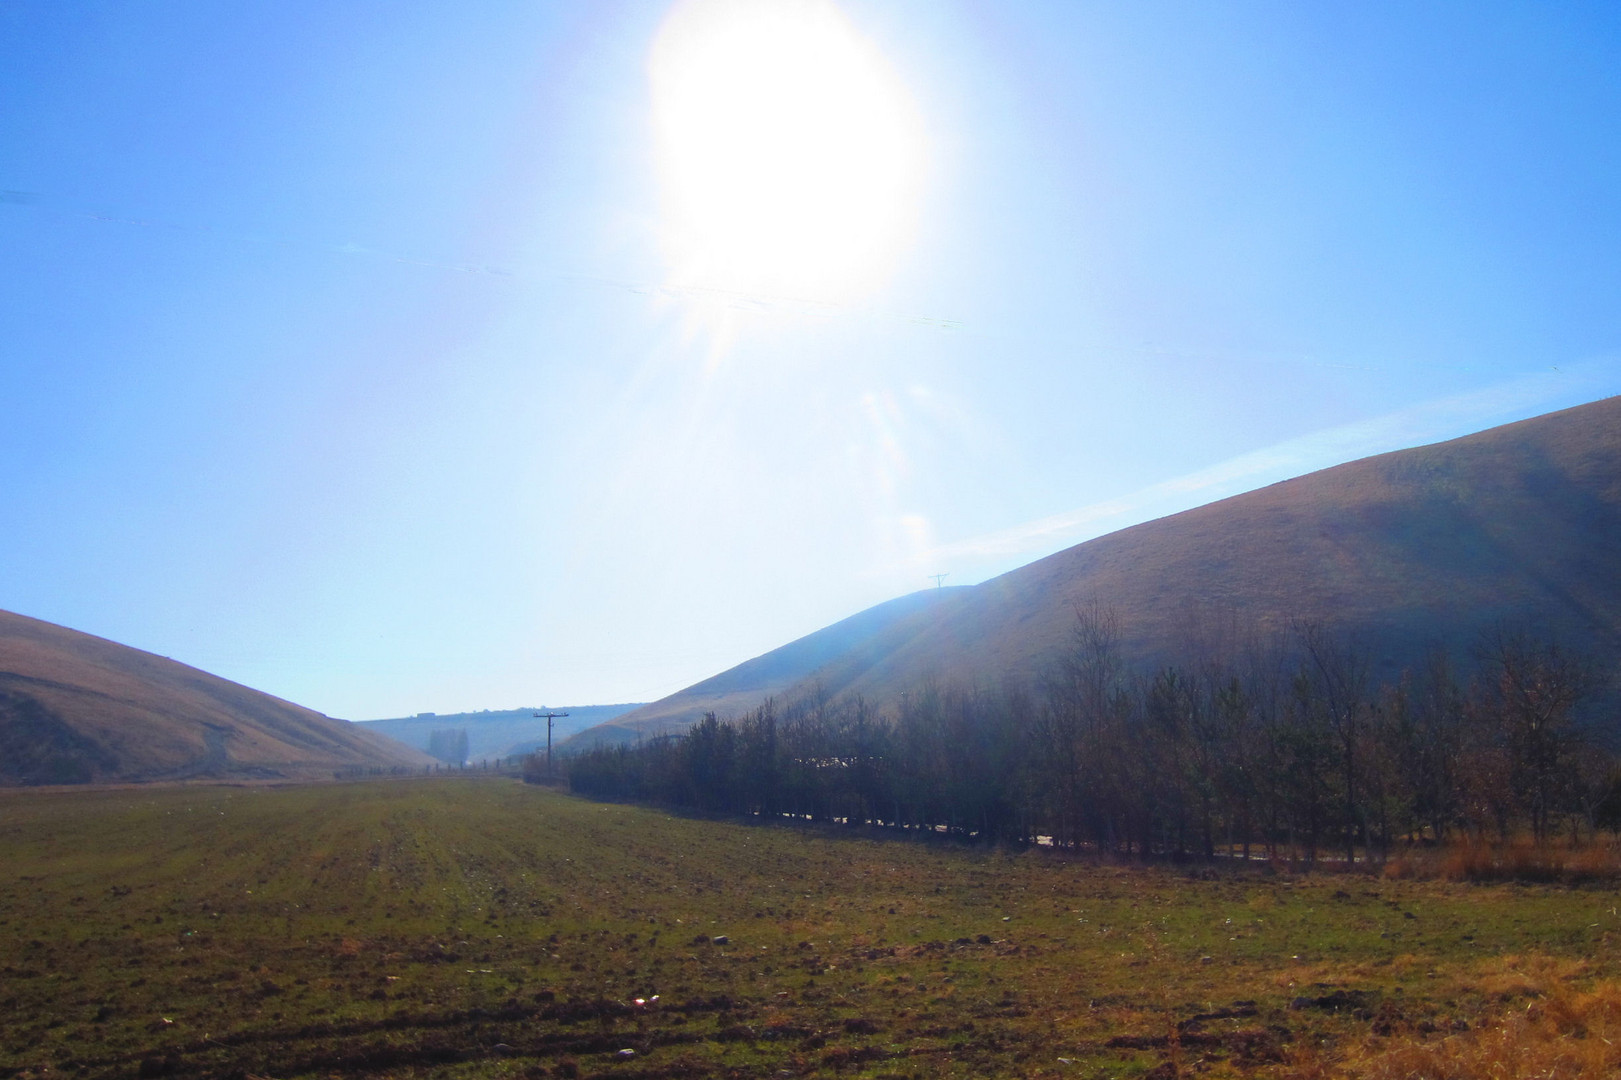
(479, 927)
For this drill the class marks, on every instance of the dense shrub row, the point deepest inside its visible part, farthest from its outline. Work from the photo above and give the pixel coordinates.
(1286, 748)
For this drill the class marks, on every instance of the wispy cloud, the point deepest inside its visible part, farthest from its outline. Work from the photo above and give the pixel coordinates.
(1432, 421)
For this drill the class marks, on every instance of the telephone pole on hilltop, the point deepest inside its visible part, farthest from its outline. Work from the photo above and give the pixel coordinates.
(939, 579)
(550, 716)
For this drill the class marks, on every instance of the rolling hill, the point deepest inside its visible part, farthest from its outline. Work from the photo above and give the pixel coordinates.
(1421, 547)
(80, 709)
(743, 687)
(497, 733)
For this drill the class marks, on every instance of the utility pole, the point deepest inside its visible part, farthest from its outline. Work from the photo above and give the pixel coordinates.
(550, 716)
(939, 579)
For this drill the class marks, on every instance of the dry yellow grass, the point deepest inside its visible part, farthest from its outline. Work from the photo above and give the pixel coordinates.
(1547, 1020)
(1520, 859)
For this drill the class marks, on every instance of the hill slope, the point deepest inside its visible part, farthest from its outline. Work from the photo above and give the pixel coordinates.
(76, 708)
(743, 687)
(1418, 547)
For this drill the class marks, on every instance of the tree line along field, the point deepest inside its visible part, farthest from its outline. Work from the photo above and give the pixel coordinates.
(481, 927)
(1287, 745)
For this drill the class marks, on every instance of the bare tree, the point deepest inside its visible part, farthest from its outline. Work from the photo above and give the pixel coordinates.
(1336, 674)
(1528, 691)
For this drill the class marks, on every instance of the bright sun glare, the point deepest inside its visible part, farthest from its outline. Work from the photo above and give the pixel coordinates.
(789, 152)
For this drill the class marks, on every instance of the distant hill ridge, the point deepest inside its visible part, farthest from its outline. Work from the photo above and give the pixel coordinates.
(1421, 547)
(75, 708)
(498, 733)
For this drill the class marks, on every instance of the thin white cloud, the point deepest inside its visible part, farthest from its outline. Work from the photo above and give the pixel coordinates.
(1418, 425)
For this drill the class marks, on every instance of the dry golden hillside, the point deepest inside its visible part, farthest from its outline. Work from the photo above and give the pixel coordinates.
(1421, 547)
(76, 709)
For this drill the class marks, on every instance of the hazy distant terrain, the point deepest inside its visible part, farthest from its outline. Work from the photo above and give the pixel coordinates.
(76, 709)
(776, 672)
(495, 733)
(1425, 546)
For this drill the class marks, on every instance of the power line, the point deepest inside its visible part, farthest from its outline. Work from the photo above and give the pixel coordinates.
(550, 716)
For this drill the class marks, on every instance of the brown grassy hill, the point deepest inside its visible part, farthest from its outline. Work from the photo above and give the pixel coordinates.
(741, 688)
(1433, 545)
(76, 709)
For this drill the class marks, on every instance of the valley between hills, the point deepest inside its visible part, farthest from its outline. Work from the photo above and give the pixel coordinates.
(199, 879)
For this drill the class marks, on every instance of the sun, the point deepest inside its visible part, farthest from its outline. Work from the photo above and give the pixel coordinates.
(789, 152)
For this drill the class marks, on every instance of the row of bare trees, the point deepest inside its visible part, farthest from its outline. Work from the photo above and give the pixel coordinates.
(1288, 747)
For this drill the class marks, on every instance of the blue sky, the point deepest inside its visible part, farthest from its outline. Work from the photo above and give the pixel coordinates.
(345, 356)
